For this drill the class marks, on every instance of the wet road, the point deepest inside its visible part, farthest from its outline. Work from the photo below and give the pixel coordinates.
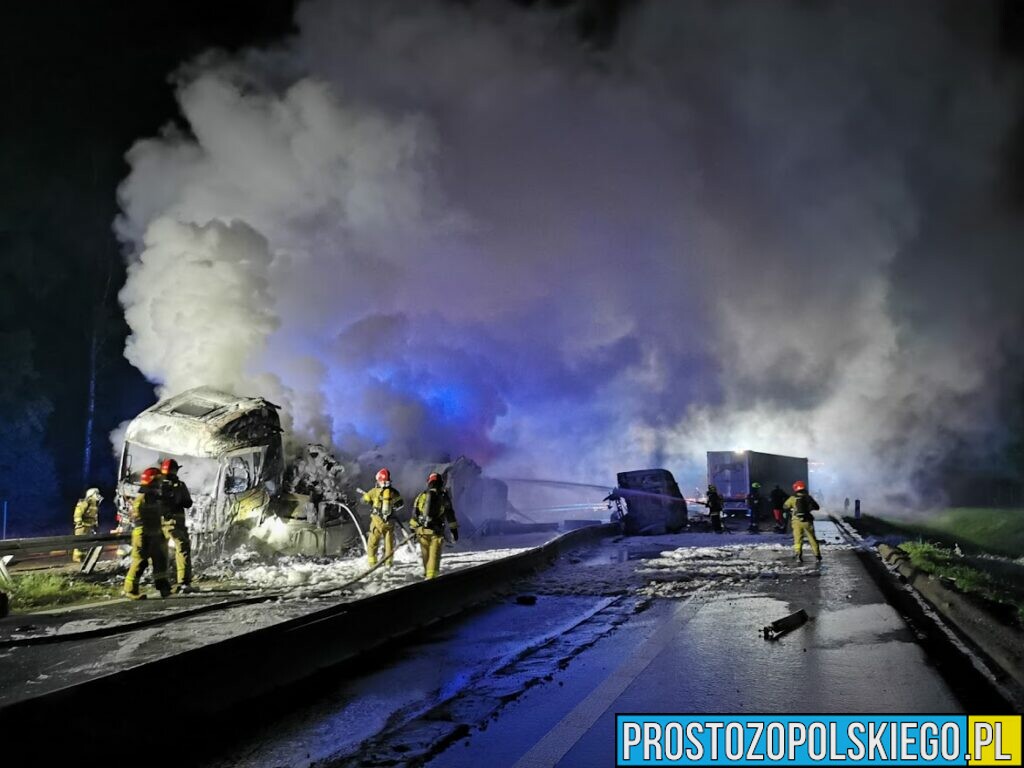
(261, 595)
(706, 656)
(639, 625)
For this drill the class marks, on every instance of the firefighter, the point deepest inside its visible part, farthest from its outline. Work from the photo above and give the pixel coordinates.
(800, 506)
(432, 512)
(175, 499)
(754, 505)
(778, 498)
(714, 505)
(87, 518)
(384, 501)
(149, 544)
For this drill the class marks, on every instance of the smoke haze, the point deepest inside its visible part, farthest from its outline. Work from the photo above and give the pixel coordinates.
(435, 229)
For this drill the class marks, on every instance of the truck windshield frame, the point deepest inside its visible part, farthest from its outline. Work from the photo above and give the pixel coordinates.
(198, 473)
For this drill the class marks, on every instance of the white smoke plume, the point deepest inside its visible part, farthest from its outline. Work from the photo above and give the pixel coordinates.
(440, 228)
(198, 304)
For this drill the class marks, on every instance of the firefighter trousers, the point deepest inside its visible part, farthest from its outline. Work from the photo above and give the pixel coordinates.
(147, 548)
(178, 533)
(800, 530)
(81, 530)
(380, 529)
(431, 543)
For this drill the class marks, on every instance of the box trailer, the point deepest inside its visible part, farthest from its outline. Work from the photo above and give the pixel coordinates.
(732, 473)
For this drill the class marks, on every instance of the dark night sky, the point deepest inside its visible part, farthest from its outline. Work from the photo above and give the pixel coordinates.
(81, 82)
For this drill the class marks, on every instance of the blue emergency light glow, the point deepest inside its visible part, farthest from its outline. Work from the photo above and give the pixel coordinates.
(450, 400)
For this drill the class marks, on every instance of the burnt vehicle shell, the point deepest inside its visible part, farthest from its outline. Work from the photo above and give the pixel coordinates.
(232, 460)
(654, 503)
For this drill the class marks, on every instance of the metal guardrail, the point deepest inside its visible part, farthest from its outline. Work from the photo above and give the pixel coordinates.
(45, 543)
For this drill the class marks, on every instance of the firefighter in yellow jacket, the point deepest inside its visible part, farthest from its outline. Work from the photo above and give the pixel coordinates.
(385, 501)
(175, 499)
(87, 517)
(800, 505)
(149, 544)
(433, 511)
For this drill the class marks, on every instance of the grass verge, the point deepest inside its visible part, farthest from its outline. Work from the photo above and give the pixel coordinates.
(946, 564)
(997, 531)
(981, 529)
(43, 590)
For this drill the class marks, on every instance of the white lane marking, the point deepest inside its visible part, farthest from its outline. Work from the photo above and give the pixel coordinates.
(562, 737)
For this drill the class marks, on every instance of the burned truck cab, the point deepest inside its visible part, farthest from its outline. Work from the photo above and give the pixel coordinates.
(230, 452)
(653, 501)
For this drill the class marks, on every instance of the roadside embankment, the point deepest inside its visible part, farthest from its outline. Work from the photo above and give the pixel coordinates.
(1004, 644)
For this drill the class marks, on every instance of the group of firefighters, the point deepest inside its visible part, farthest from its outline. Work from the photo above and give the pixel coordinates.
(432, 514)
(158, 515)
(797, 507)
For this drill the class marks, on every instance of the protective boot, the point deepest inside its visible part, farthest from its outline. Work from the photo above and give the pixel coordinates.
(134, 595)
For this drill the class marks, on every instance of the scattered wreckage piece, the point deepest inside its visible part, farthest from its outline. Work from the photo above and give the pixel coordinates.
(780, 627)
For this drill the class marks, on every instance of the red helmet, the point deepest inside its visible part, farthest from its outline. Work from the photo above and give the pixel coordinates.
(383, 476)
(169, 465)
(433, 478)
(149, 474)
(799, 485)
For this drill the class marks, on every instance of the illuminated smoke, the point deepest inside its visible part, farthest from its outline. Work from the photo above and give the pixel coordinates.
(198, 304)
(440, 229)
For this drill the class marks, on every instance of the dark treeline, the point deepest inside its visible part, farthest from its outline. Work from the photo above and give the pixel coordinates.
(80, 82)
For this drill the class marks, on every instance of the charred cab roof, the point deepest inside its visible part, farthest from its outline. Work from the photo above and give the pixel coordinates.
(205, 422)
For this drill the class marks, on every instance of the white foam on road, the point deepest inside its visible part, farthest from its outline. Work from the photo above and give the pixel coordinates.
(296, 573)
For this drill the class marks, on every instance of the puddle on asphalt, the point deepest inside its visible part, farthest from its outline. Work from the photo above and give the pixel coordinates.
(620, 553)
(859, 623)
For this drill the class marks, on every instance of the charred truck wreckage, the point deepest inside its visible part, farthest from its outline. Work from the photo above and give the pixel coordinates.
(246, 492)
(231, 456)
